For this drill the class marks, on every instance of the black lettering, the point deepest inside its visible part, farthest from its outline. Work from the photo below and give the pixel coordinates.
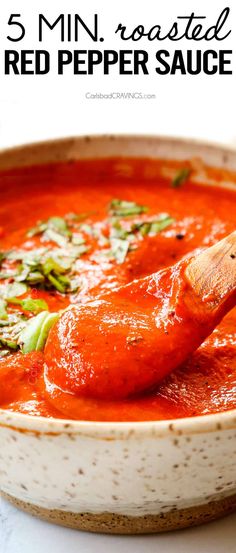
(93, 34)
(17, 24)
(140, 60)
(69, 27)
(11, 61)
(159, 56)
(198, 64)
(154, 32)
(178, 63)
(78, 62)
(26, 59)
(64, 58)
(121, 28)
(187, 34)
(110, 58)
(196, 32)
(173, 32)
(42, 62)
(206, 68)
(223, 62)
(43, 19)
(219, 25)
(94, 58)
(27, 62)
(138, 33)
(124, 62)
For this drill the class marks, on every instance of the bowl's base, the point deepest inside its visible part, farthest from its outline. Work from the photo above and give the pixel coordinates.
(109, 523)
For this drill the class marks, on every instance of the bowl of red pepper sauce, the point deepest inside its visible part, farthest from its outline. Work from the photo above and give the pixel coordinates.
(80, 217)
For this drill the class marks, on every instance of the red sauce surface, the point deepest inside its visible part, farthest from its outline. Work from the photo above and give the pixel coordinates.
(206, 383)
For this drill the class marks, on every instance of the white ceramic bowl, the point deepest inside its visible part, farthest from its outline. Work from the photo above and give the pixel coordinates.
(120, 477)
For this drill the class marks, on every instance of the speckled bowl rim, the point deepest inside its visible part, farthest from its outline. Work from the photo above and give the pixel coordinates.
(214, 422)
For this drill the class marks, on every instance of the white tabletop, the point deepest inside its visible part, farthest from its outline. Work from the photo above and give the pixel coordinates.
(21, 533)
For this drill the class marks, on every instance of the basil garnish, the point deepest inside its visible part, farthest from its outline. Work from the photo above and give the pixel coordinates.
(122, 208)
(35, 333)
(181, 177)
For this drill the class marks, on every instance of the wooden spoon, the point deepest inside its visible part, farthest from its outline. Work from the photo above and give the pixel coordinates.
(130, 339)
(212, 275)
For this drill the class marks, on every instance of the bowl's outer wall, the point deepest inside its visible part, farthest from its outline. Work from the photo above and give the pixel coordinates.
(59, 465)
(134, 476)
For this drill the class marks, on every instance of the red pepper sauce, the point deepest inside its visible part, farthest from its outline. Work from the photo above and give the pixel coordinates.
(202, 216)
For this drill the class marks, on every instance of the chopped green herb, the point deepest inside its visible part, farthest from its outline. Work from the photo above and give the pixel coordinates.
(39, 229)
(11, 330)
(8, 343)
(88, 229)
(44, 331)
(59, 224)
(153, 227)
(34, 335)
(78, 216)
(161, 224)
(32, 278)
(29, 336)
(77, 239)
(54, 236)
(122, 208)
(122, 237)
(36, 266)
(12, 289)
(117, 231)
(51, 265)
(75, 283)
(180, 177)
(80, 250)
(10, 274)
(119, 249)
(31, 258)
(12, 319)
(72, 216)
(3, 311)
(28, 304)
(3, 352)
(56, 282)
(56, 224)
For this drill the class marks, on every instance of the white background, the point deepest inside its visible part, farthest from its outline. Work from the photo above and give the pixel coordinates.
(39, 107)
